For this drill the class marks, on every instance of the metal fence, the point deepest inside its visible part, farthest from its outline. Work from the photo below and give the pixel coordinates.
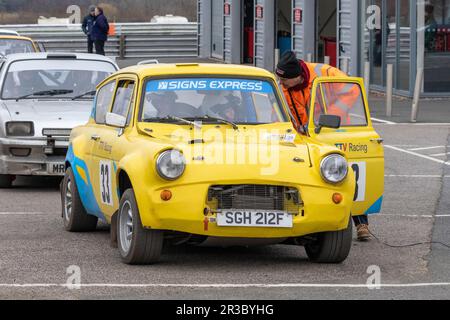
(131, 40)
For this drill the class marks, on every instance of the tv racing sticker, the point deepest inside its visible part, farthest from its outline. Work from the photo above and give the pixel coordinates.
(210, 84)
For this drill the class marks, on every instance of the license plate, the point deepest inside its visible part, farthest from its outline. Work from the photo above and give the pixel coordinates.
(254, 218)
(56, 168)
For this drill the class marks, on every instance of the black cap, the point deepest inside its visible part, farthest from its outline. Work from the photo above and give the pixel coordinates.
(289, 66)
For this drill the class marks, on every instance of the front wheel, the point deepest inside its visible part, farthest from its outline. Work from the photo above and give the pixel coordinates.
(331, 247)
(136, 245)
(75, 217)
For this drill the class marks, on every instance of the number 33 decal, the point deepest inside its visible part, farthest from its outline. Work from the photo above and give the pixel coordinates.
(105, 183)
(360, 175)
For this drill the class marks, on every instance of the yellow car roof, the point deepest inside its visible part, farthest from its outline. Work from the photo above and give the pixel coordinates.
(196, 69)
(15, 38)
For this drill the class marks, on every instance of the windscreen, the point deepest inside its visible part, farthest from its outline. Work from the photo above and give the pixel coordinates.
(341, 99)
(11, 46)
(241, 101)
(54, 78)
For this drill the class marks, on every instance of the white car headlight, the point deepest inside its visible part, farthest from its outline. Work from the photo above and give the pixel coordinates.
(334, 168)
(19, 129)
(170, 164)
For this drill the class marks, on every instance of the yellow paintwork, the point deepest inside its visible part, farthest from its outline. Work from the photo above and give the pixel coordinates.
(374, 158)
(133, 151)
(36, 49)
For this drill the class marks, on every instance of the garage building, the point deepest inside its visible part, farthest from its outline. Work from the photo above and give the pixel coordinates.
(409, 34)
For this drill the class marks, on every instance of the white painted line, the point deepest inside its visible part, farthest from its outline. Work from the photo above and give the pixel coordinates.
(418, 155)
(426, 148)
(414, 176)
(383, 121)
(412, 124)
(424, 124)
(439, 154)
(222, 286)
(428, 216)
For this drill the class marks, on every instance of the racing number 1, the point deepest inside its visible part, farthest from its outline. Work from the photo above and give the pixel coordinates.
(105, 183)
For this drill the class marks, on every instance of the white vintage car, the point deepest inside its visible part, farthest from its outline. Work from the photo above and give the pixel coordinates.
(42, 97)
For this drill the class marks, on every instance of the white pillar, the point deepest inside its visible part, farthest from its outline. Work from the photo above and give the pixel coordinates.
(417, 91)
(420, 34)
(367, 77)
(389, 89)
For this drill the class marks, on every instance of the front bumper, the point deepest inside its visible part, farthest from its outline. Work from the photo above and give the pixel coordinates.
(185, 212)
(37, 163)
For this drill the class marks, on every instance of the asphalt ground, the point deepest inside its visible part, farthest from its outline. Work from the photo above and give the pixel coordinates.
(35, 251)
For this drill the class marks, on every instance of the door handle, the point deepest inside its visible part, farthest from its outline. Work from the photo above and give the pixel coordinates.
(95, 137)
(379, 140)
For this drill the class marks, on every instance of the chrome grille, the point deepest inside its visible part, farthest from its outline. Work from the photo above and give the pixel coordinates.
(260, 197)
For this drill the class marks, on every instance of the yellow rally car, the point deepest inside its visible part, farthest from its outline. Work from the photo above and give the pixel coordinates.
(207, 155)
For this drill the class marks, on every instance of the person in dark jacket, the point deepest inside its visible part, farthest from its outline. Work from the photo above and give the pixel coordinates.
(100, 31)
(88, 23)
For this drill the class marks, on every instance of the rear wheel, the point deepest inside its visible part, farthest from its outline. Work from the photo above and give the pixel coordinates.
(75, 217)
(6, 180)
(136, 244)
(331, 247)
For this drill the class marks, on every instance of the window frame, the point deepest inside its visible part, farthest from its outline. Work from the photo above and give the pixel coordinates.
(132, 101)
(108, 108)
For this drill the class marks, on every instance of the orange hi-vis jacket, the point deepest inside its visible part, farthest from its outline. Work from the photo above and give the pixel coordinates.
(298, 100)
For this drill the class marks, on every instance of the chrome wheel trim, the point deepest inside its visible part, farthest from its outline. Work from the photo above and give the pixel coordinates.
(126, 226)
(68, 200)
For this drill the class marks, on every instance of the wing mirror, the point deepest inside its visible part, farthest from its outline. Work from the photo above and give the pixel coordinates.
(328, 121)
(115, 120)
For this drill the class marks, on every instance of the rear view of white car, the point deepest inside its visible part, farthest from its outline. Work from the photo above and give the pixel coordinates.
(43, 96)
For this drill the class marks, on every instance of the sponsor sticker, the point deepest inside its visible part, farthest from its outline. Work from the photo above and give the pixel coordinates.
(210, 84)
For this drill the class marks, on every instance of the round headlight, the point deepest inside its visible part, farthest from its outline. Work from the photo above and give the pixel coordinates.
(170, 164)
(334, 168)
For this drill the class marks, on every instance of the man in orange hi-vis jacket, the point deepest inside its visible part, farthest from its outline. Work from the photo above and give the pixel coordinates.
(296, 78)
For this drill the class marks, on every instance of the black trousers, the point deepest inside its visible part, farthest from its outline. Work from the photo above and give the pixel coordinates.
(90, 44)
(99, 47)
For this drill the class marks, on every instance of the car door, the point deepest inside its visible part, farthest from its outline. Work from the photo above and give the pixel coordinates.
(111, 146)
(356, 137)
(92, 133)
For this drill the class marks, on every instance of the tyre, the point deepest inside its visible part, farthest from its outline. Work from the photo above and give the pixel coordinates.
(6, 180)
(137, 245)
(75, 217)
(331, 247)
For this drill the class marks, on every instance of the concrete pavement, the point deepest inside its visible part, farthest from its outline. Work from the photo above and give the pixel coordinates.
(35, 251)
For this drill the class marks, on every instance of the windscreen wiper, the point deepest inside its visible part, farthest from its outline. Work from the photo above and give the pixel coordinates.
(177, 119)
(234, 125)
(51, 93)
(89, 93)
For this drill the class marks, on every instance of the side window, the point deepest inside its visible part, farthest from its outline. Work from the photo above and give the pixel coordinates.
(124, 97)
(103, 101)
(341, 99)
